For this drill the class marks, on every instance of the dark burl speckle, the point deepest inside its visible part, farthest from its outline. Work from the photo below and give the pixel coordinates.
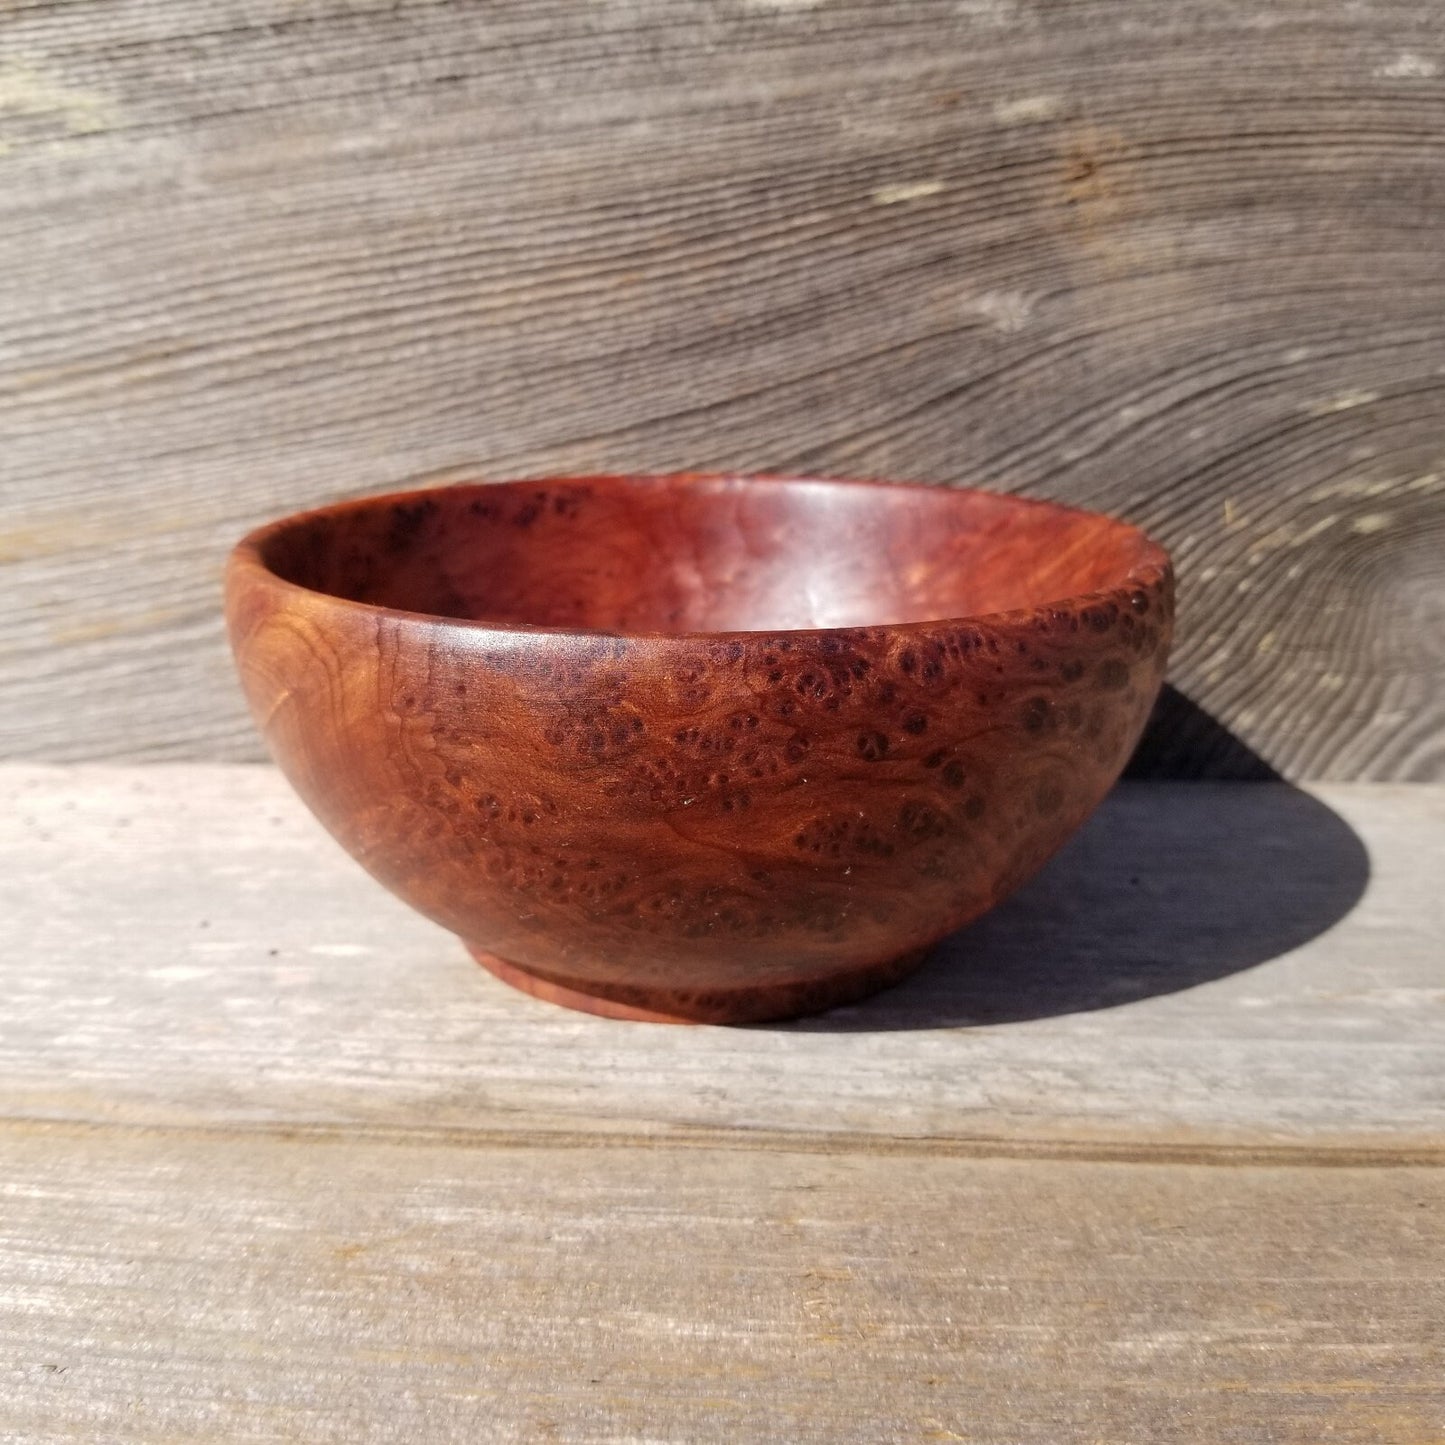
(1113, 674)
(1036, 715)
(872, 746)
(843, 837)
(408, 520)
(920, 820)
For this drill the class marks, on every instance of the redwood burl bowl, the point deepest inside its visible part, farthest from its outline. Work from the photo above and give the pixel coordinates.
(712, 748)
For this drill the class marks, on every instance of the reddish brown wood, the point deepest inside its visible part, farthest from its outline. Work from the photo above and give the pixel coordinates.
(696, 747)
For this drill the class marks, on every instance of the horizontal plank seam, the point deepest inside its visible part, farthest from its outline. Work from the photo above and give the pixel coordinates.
(779, 1141)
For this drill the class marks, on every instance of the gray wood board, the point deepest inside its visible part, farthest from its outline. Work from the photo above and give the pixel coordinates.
(1177, 261)
(1243, 967)
(241, 1287)
(1151, 1155)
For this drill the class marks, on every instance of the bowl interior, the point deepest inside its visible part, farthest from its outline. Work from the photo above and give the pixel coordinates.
(704, 554)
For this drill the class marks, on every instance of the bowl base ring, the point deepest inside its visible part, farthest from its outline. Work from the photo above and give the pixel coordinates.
(711, 1006)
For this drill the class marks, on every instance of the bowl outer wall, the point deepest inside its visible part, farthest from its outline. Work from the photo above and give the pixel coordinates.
(715, 812)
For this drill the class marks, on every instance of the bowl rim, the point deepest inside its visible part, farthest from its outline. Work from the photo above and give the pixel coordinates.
(1152, 568)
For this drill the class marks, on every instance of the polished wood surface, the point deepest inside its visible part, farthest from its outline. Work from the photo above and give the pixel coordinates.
(1180, 263)
(703, 747)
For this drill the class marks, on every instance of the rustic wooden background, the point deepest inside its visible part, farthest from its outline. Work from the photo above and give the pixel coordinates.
(1184, 262)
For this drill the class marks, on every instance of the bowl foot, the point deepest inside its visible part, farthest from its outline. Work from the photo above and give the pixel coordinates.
(707, 1006)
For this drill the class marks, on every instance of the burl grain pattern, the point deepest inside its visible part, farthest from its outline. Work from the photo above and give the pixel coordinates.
(707, 748)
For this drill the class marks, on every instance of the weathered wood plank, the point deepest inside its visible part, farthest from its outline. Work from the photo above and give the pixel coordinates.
(1206, 966)
(1177, 261)
(277, 1162)
(243, 1288)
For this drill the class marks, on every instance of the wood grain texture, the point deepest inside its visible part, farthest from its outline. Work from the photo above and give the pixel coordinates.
(1181, 262)
(1206, 967)
(277, 1161)
(246, 1288)
(700, 749)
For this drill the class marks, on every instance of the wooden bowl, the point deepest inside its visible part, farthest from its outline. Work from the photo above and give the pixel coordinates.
(708, 748)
